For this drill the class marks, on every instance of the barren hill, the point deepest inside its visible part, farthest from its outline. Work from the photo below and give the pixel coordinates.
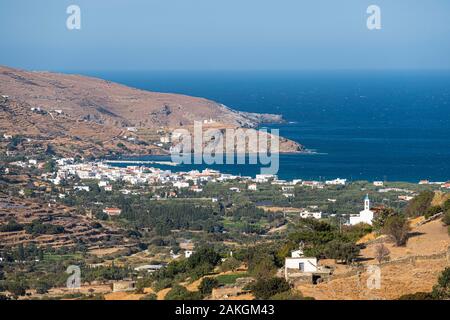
(83, 115)
(111, 103)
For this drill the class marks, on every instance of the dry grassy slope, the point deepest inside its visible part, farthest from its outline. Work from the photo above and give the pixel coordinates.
(112, 103)
(396, 279)
(440, 198)
(96, 111)
(67, 135)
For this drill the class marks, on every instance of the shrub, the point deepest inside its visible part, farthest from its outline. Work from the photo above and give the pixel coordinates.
(431, 211)
(290, 295)
(381, 253)
(42, 287)
(420, 204)
(230, 264)
(446, 218)
(16, 288)
(264, 289)
(12, 226)
(342, 251)
(263, 268)
(441, 290)
(417, 296)
(397, 227)
(207, 285)
(150, 296)
(181, 293)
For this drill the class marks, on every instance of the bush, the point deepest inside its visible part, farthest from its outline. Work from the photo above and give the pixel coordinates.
(207, 285)
(290, 295)
(342, 251)
(420, 204)
(12, 226)
(230, 264)
(417, 296)
(431, 211)
(441, 290)
(16, 288)
(263, 268)
(446, 218)
(181, 293)
(380, 218)
(381, 253)
(397, 227)
(150, 296)
(42, 287)
(264, 289)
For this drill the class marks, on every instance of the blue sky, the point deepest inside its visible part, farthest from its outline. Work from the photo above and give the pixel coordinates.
(225, 35)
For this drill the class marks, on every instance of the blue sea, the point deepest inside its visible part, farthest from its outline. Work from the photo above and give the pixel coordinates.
(372, 125)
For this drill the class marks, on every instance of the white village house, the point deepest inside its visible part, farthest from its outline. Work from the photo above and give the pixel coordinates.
(301, 268)
(301, 263)
(365, 216)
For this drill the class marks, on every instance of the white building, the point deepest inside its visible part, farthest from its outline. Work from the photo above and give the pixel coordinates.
(188, 253)
(181, 184)
(253, 187)
(307, 214)
(263, 178)
(378, 183)
(299, 262)
(336, 182)
(365, 216)
(82, 188)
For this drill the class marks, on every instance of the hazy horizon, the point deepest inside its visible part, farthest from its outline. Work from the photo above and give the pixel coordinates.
(255, 35)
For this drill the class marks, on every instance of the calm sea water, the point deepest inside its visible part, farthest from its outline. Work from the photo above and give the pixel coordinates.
(363, 125)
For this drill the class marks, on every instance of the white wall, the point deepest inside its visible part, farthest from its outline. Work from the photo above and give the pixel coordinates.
(310, 264)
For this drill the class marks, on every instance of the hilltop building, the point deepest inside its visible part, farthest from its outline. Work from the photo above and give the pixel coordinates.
(365, 216)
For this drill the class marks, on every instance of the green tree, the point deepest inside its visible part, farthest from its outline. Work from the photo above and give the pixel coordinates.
(207, 285)
(263, 268)
(397, 227)
(380, 218)
(420, 204)
(181, 293)
(42, 287)
(342, 251)
(441, 290)
(150, 296)
(263, 289)
(230, 264)
(16, 288)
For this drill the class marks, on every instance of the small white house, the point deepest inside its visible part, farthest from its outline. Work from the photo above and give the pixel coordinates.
(308, 214)
(336, 182)
(253, 187)
(180, 184)
(299, 262)
(302, 264)
(82, 188)
(378, 183)
(102, 183)
(188, 253)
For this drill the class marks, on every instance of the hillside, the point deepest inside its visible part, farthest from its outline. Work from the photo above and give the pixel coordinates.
(413, 268)
(111, 103)
(70, 108)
